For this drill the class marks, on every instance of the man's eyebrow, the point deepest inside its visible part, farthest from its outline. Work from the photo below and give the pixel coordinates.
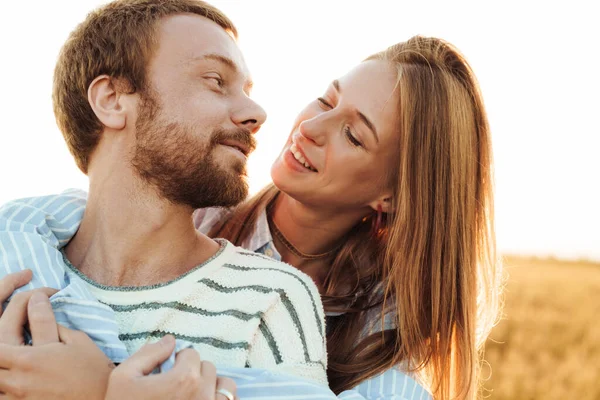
(228, 62)
(363, 117)
(222, 59)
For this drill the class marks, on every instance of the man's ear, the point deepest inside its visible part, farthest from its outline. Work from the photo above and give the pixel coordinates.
(385, 202)
(107, 102)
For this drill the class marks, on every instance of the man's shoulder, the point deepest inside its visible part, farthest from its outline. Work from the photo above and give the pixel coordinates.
(271, 270)
(57, 215)
(66, 201)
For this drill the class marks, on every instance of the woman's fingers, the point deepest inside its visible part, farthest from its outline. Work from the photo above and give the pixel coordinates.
(208, 371)
(147, 358)
(42, 323)
(226, 389)
(15, 317)
(183, 381)
(190, 377)
(12, 282)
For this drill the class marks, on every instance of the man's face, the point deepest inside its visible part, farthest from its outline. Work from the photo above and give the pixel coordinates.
(195, 120)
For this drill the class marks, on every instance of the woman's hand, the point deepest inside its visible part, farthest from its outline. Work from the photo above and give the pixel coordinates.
(189, 379)
(61, 364)
(66, 364)
(12, 282)
(14, 319)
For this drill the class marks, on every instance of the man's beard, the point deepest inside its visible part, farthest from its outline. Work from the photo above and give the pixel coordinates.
(181, 166)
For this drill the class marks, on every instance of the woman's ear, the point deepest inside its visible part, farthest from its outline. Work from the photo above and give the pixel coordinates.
(107, 102)
(385, 202)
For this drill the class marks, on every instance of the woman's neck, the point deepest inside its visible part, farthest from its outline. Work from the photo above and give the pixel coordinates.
(310, 231)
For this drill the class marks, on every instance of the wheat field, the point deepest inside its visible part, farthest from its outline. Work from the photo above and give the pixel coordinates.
(547, 346)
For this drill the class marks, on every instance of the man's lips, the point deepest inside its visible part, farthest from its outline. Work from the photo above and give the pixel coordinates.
(244, 149)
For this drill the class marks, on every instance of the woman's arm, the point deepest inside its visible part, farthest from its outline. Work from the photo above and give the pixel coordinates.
(32, 232)
(31, 371)
(71, 368)
(260, 383)
(66, 364)
(390, 385)
(252, 382)
(205, 219)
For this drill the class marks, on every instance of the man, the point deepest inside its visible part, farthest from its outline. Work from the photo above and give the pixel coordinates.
(152, 98)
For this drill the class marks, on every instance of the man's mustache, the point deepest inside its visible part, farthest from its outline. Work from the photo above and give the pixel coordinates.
(240, 135)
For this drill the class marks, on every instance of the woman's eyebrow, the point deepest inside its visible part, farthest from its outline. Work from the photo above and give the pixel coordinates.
(363, 117)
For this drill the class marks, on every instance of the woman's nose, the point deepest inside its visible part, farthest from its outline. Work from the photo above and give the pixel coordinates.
(317, 127)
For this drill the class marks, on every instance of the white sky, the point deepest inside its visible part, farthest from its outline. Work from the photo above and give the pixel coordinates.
(537, 63)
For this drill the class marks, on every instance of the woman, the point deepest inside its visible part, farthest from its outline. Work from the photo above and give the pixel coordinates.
(383, 195)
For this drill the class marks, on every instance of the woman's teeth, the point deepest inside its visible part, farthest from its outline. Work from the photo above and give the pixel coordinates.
(298, 156)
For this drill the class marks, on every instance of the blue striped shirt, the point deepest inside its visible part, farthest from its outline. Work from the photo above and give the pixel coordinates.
(393, 384)
(32, 232)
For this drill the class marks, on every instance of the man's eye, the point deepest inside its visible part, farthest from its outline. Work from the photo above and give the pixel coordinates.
(218, 80)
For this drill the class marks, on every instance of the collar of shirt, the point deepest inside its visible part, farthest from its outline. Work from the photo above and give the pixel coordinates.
(261, 240)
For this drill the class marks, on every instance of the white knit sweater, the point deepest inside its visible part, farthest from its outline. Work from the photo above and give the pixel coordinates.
(238, 309)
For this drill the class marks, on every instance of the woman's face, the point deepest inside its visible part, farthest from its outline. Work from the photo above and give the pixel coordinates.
(343, 143)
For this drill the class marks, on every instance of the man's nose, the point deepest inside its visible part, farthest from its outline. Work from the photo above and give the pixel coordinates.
(249, 115)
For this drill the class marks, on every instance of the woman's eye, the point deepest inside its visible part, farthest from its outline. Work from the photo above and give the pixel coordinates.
(351, 137)
(324, 102)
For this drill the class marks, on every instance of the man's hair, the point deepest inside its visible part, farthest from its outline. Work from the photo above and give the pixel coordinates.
(117, 40)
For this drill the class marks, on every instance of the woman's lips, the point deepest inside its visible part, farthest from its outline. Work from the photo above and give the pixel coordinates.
(300, 156)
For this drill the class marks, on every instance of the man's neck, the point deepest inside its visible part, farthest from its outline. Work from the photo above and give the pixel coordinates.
(128, 239)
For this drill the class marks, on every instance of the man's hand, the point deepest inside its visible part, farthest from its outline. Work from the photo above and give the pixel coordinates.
(190, 378)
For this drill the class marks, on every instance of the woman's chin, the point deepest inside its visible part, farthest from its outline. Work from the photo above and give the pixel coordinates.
(281, 181)
(276, 172)
(286, 184)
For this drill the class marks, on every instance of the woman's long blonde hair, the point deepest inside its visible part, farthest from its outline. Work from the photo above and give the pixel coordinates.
(432, 265)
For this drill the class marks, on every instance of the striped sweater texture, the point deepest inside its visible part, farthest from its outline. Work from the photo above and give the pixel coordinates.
(238, 309)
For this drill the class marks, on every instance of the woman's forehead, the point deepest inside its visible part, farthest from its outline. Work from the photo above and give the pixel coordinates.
(371, 87)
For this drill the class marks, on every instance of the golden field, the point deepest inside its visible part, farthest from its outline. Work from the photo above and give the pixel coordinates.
(547, 345)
